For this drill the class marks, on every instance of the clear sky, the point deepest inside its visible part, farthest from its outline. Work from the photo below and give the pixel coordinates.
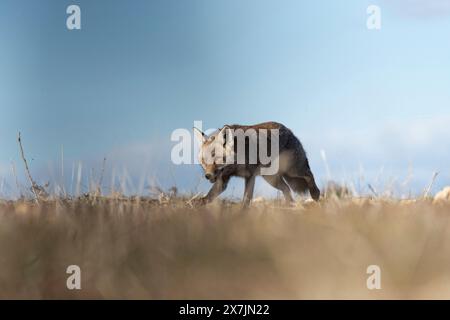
(376, 101)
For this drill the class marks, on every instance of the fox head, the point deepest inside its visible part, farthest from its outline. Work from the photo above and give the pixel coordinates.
(215, 151)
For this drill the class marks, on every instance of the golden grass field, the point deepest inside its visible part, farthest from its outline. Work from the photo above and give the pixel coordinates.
(146, 249)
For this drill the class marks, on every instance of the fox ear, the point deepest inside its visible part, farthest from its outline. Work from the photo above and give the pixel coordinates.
(226, 136)
(201, 137)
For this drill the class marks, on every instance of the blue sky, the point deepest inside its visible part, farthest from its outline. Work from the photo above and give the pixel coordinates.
(377, 102)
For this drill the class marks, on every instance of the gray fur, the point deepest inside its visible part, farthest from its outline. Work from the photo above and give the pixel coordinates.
(293, 172)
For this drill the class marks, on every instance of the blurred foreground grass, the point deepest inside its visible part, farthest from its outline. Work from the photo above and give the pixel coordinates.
(142, 249)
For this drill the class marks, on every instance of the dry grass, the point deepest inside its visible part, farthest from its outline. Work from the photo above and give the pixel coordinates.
(143, 249)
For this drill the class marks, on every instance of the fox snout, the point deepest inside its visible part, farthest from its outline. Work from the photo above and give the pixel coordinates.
(212, 175)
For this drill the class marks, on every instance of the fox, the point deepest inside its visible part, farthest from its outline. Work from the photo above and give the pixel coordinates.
(220, 152)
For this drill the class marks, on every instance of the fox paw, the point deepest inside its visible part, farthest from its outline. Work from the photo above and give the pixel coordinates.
(199, 201)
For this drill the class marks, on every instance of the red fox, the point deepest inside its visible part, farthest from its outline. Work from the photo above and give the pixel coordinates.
(236, 150)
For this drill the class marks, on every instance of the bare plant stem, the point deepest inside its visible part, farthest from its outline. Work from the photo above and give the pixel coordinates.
(373, 190)
(63, 185)
(427, 190)
(100, 182)
(34, 187)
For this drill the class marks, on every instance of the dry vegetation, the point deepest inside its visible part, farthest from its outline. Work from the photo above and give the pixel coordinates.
(165, 248)
(153, 249)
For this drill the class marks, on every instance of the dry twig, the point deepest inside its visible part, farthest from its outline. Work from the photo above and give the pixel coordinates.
(37, 190)
(433, 179)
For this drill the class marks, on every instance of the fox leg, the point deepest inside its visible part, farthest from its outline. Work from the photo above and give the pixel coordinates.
(218, 187)
(298, 185)
(303, 182)
(278, 182)
(249, 188)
